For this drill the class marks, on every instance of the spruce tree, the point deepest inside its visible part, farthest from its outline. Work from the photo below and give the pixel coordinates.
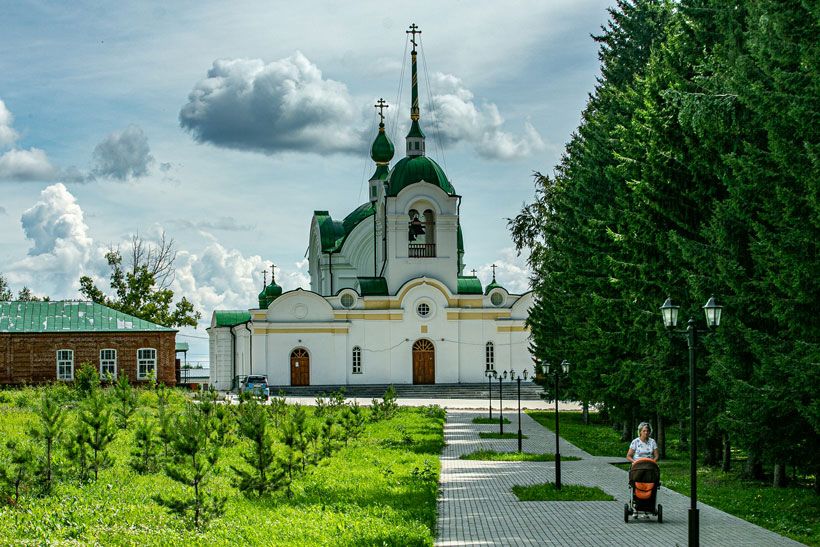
(47, 429)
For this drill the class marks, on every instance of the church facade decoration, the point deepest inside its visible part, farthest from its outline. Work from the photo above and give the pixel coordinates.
(389, 302)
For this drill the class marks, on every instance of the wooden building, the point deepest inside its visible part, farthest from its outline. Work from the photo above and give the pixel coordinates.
(48, 341)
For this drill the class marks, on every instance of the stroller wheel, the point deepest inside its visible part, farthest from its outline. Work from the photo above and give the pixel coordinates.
(626, 513)
(660, 513)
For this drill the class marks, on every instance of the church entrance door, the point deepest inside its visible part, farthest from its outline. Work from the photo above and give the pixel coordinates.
(424, 362)
(299, 367)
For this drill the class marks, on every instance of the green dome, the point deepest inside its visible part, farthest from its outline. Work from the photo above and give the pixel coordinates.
(413, 169)
(273, 291)
(492, 286)
(382, 150)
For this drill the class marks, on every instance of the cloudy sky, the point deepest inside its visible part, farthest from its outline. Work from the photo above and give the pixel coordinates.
(228, 124)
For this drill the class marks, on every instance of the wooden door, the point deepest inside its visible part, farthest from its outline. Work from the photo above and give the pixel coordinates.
(299, 368)
(424, 362)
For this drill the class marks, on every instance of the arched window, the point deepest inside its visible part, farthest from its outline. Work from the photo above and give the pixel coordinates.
(421, 234)
(357, 360)
(489, 355)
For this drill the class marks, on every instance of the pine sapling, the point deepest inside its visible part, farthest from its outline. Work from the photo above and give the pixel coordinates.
(47, 429)
(146, 443)
(76, 440)
(18, 468)
(126, 401)
(96, 415)
(254, 426)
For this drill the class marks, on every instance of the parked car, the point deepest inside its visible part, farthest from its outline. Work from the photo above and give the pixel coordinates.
(257, 385)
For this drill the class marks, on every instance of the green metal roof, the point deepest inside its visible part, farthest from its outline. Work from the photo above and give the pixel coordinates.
(333, 233)
(182, 346)
(415, 130)
(373, 286)
(381, 172)
(229, 318)
(468, 284)
(69, 316)
(413, 169)
(491, 286)
(382, 150)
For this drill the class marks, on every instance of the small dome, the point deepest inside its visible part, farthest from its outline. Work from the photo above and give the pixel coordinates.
(273, 291)
(412, 169)
(491, 286)
(382, 150)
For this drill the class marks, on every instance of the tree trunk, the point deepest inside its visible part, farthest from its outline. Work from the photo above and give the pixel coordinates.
(661, 438)
(585, 412)
(754, 466)
(727, 453)
(626, 432)
(682, 437)
(711, 456)
(780, 480)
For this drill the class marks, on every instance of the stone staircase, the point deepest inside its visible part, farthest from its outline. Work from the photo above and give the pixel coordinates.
(529, 391)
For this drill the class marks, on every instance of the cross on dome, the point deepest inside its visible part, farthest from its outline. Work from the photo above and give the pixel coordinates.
(412, 32)
(381, 104)
(493, 267)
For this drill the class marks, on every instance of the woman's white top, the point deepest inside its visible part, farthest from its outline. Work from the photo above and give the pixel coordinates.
(643, 449)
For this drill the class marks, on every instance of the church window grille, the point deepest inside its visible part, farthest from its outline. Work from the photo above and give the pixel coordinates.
(108, 363)
(65, 364)
(357, 360)
(348, 300)
(146, 363)
(423, 309)
(490, 356)
(497, 299)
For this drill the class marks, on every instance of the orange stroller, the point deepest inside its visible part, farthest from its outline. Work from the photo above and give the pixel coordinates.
(644, 481)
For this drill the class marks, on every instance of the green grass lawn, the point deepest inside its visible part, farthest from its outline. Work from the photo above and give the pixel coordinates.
(793, 512)
(379, 490)
(568, 492)
(492, 455)
(488, 421)
(492, 435)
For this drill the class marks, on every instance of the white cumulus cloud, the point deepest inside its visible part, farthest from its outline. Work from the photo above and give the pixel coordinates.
(284, 105)
(457, 117)
(511, 272)
(7, 133)
(26, 165)
(61, 248)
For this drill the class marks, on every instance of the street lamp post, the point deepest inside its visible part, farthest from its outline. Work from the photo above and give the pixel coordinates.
(518, 380)
(501, 377)
(563, 367)
(669, 311)
(490, 374)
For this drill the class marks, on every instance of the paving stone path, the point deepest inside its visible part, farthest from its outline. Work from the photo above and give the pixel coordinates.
(477, 506)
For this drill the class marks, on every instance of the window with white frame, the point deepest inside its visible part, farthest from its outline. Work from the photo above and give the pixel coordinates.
(357, 360)
(65, 364)
(490, 356)
(146, 363)
(108, 363)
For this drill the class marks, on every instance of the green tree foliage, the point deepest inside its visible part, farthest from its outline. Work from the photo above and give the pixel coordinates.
(254, 426)
(125, 401)
(95, 415)
(142, 288)
(5, 292)
(17, 468)
(694, 172)
(195, 453)
(47, 428)
(86, 379)
(145, 451)
(76, 440)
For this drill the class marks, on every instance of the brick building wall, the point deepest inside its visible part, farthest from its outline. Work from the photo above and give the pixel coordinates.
(32, 357)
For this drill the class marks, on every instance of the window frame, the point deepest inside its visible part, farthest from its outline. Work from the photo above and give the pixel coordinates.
(489, 356)
(146, 375)
(61, 362)
(108, 361)
(357, 360)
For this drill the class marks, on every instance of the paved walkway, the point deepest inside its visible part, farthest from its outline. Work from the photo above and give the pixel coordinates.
(477, 506)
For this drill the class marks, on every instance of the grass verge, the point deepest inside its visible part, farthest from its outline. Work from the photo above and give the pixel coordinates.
(568, 492)
(492, 455)
(489, 435)
(793, 511)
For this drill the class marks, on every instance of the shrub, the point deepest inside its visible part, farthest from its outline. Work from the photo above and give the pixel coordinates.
(126, 401)
(16, 470)
(386, 408)
(86, 380)
(144, 454)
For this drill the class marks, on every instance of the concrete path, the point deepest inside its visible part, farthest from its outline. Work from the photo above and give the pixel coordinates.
(477, 507)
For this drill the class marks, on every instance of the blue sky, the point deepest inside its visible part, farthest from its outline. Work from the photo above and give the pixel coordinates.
(152, 116)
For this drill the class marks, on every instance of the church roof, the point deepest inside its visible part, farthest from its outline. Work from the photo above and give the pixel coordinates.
(382, 150)
(229, 318)
(469, 284)
(492, 285)
(333, 233)
(373, 286)
(412, 169)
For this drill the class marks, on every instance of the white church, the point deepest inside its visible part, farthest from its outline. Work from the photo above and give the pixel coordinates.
(389, 303)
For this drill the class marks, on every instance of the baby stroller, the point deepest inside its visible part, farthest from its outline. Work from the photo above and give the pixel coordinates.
(644, 481)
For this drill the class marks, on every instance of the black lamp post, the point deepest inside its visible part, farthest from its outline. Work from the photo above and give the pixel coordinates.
(556, 372)
(501, 377)
(518, 380)
(669, 311)
(490, 374)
